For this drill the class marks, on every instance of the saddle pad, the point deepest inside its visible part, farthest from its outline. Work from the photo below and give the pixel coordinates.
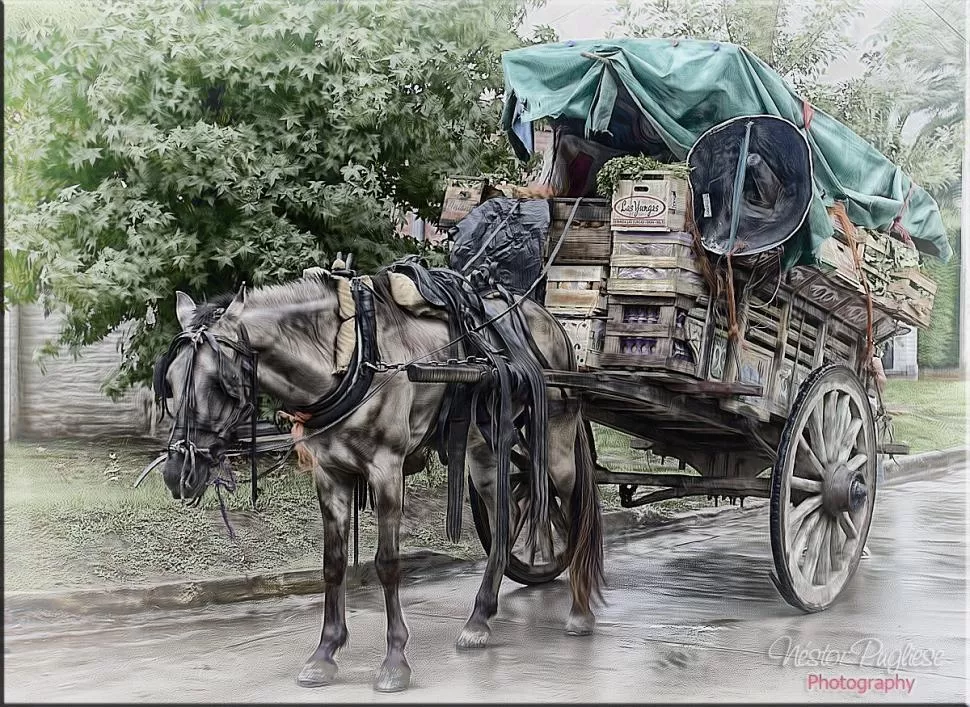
(406, 296)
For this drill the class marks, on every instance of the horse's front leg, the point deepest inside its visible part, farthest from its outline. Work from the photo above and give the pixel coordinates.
(335, 494)
(387, 480)
(482, 469)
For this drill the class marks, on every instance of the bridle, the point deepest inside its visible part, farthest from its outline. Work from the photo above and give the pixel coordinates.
(239, 385)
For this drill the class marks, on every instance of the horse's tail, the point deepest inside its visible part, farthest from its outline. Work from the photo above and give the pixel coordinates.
(586, 536)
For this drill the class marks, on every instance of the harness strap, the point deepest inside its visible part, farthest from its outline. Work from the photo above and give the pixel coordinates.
(359, 376)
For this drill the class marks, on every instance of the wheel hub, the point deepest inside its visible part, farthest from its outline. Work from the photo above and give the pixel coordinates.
(858, 493)
(845, 491)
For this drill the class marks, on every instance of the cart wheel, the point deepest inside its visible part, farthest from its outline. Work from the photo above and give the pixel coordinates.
(527, 566)
(823, 488)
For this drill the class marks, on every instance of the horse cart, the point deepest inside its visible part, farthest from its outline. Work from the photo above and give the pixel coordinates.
(788, 412)
(730, 320)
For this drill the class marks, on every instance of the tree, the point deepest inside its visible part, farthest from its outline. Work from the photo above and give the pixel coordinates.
(926, 45)
(192, 144)
(798, 39)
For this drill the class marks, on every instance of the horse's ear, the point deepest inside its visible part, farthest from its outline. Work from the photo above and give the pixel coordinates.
(184, 309)
(235, 308)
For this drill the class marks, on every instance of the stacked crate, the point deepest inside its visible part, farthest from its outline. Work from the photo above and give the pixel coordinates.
(588, 240)
(576, 296)
(462, 195)
(898, 286)
(576, 283)
(891, 269)
(657, 308)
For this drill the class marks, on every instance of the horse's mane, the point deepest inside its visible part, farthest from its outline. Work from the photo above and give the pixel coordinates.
(305, 289)
(208, 312)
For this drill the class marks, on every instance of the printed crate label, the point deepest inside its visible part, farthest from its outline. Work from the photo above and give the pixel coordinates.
(655, 201)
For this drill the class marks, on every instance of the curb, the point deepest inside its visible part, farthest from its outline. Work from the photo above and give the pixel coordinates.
(193, 594)
(226, 590)
(925, 464)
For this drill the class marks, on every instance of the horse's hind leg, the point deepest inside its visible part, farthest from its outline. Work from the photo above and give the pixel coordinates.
(335, 494)
(562, 469)
(387, 479)
(482, 469)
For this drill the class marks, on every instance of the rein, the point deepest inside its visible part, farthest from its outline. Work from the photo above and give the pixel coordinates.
(215, 454)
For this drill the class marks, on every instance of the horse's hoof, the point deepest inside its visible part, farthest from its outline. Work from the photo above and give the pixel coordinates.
(473, 638)
(393, 677)
(580, 625)
(317, 672)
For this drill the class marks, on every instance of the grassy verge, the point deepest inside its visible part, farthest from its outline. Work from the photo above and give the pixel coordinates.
(614, 452)
(928, 414)
(71, 518)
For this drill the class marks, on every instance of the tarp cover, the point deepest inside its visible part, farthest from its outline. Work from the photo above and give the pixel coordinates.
(684, 87)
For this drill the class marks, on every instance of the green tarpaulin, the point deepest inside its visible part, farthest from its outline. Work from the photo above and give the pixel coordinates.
(685, 87)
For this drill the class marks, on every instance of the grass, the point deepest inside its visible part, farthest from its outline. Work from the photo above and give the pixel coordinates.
(614, 452)
(71, 518)
(928, 414)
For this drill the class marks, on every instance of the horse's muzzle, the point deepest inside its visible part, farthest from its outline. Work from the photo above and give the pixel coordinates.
(185, 479)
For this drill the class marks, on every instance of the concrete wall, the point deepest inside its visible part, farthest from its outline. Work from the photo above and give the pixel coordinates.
(66, 401)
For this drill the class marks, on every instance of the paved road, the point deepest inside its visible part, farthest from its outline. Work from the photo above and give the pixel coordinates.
(692, 616)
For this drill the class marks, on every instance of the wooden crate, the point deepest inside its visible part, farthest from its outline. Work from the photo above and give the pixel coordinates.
(595, 210)
(887, 254)
(654, 201)
(586, 243)
(462, 195)
(674, 253)
(658, 255)
(648, 353)
(639, 312)
(837, 260)
(910, 297)
(589, 239)
(587, 336)
(576, 290)
(654, 280)
(651, 333)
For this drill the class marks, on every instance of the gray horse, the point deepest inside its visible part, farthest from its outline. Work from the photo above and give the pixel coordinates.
(292, 328)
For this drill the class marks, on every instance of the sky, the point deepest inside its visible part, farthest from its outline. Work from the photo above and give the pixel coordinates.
(592, 19)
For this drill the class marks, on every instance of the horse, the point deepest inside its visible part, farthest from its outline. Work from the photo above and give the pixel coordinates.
(291, 329)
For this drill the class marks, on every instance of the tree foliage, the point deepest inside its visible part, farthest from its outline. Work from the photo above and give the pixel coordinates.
(193, 144)
(798, 39)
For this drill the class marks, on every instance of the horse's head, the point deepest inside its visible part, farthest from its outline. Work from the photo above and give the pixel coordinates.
(208, 374)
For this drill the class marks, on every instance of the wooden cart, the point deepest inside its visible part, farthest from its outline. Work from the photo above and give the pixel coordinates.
(785, 411)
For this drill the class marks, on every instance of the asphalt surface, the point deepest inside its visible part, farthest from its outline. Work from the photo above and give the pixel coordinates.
(691, 616)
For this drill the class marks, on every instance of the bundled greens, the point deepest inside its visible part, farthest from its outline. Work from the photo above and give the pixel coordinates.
(633, 167)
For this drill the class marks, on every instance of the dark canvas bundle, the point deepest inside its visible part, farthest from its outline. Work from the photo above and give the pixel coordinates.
(501, 242)
(769, 159)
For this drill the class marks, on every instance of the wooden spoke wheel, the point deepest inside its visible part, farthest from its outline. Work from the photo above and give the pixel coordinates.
(823, 488)
(527, 565)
